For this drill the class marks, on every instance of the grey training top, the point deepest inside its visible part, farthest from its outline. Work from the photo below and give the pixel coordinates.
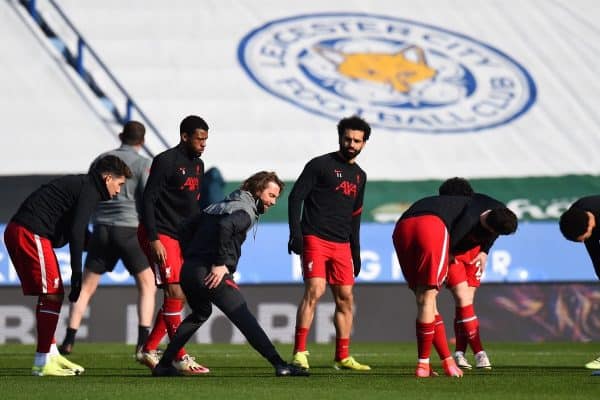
(124, 210)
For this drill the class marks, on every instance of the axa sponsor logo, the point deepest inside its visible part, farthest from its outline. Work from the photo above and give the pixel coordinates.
(396, 73)
(348, 188)
(191, 183)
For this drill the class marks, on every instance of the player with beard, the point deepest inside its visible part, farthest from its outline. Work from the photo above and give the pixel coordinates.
(172, 194)
(324, 211)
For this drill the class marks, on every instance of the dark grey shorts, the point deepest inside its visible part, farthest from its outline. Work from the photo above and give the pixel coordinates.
(108, 244)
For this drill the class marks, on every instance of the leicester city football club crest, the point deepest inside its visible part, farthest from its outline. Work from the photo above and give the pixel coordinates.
(397, 74)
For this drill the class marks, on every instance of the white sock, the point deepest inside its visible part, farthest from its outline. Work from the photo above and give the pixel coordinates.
(53, 349)
(40, 359)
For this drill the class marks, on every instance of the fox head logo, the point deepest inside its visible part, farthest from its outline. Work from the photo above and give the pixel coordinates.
(399, 70)
(401, 75)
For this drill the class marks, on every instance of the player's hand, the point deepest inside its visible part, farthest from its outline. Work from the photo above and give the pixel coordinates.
(159, 253)
(480, 261)
(75, 287)
(295, 244)
(215, 276)
(356, 262)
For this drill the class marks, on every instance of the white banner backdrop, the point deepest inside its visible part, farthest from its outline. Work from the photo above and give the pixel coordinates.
(476, 89)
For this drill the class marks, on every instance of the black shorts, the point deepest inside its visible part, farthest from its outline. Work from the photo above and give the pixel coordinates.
(108, 244)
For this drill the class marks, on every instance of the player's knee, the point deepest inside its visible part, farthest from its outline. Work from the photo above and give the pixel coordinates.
(312, 294)
(200, 316)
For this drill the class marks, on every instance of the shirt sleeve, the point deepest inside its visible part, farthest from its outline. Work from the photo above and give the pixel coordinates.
(84, 208)
(593, 247)
(302, 188)
(228, 227)
(356, 217)
(157, 180)
(143, 173)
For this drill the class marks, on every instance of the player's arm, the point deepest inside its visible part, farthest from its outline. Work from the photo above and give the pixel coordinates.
(84, 208)
(355, 228)
(157, 180)
(142, 171)
(300, 191)
(228, 227)
(593, 247)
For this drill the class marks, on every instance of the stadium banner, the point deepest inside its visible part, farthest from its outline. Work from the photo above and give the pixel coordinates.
(531, 198)
(537, 252)
(542, 312)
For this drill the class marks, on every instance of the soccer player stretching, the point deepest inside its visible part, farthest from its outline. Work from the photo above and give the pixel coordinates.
(212, 244)
(324, 210)
(56, 214)
(467, 263)
(423, 238)
(580, 224)
(115, 237)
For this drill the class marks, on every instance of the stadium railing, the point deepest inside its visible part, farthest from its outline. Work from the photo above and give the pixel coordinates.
(79, 54)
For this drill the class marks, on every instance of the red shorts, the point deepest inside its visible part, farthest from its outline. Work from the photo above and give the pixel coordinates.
(329, 260)
(462, 270)
(168, 273)
(34, 260)
(422, 244)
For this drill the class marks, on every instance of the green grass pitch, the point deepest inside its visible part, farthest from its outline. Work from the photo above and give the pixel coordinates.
(521, 371)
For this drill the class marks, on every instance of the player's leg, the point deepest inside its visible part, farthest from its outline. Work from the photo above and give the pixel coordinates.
(149, 354)
(422, 245)
(314, 273)
(342, 320)
(473, 272)
(425, 297)
(128, 248)
(38, 270)
(144, 281)
(88, 288)
(314, 288)
(463, 314)
(228, 298)
(192, 288)
(340, 277)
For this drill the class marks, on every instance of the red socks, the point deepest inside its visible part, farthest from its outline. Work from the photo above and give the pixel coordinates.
(468, 328)
(159, 330)
(172, 309)
(342, 348)
(440, 342)
(342, 345)
(46, 314)
(300, 339)
(425, 333)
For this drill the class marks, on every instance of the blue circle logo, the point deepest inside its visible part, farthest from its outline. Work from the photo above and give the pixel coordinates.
(395, 73)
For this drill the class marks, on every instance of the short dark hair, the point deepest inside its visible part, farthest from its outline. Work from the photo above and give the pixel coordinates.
(192, 122)
(259, 181)
(574, 223)
(355, 123)
(112, 165)
(133, 133)
(456, 187)
(502, 220)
